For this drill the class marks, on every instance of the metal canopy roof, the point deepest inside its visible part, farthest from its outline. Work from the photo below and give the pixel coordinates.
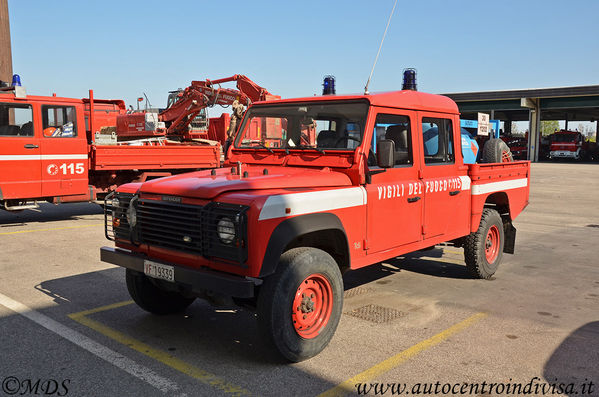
(578, 103)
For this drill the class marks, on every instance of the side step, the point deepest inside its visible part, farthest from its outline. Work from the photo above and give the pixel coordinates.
(21, 206)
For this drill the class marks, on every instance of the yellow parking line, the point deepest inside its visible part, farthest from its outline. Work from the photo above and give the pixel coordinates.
(374, 372)
(453, 251)
(157, 354)
(50, 229)
(101, 309)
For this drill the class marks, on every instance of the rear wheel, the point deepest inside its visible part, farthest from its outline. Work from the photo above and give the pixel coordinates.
(153, 299)
(299, 307)
(496, 151)
(483, 249)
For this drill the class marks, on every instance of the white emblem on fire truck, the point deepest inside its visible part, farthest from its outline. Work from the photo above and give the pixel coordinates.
(52, 169)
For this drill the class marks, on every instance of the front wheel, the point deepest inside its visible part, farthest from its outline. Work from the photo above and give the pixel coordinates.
(153, 299)
(299, 307)
(483, 249)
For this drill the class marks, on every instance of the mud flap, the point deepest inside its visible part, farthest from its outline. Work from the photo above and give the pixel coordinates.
(509, 231)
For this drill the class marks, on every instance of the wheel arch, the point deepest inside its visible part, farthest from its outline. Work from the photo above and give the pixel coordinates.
(322, 230)
(500, 202)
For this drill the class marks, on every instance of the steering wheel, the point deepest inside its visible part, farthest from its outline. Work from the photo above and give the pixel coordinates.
(346, 137)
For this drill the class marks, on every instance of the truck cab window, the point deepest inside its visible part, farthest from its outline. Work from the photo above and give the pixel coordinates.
(16, 120)
(397, 129)
(59, 121)
(437, 137)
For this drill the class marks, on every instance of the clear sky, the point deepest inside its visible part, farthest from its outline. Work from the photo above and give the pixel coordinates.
(123, 48)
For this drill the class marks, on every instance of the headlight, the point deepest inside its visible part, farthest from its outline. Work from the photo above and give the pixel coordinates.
(226, 230)
(131, 215)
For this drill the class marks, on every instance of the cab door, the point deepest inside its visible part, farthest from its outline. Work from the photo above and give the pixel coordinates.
(20, 154)
(64, 151)
(446, 184)
(394, 212)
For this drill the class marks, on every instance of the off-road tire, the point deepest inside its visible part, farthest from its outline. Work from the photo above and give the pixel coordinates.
(151, 298)
(476, 246)
(297, 269)
(496, 151)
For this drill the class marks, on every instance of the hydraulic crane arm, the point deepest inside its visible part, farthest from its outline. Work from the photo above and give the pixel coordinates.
(202, 94)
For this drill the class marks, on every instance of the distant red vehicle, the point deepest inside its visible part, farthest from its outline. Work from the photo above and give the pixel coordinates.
(328, 184)
(518, 147)
(569, 145)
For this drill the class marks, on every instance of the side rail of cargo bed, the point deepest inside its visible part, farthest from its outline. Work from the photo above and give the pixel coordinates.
(107, 158)
(503, 185)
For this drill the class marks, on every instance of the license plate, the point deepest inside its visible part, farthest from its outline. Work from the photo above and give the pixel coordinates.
(158, 270)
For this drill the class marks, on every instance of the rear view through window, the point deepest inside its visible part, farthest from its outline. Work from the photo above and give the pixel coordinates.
(437, 136)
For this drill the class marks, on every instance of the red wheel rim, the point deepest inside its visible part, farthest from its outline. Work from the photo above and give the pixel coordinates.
(505, 157)
(492, 244)
(312, 306)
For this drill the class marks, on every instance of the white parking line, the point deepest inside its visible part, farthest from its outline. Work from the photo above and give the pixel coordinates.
(118, 360)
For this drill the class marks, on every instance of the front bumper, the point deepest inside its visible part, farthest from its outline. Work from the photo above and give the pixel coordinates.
(563, 154)
(199, 280)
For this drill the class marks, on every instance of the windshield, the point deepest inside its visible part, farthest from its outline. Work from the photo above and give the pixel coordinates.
(563, 138)
(309, 125)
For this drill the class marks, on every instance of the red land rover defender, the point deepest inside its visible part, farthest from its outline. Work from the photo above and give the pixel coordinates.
(313, 187)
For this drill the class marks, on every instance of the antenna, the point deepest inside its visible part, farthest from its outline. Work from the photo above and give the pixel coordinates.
(379, 51)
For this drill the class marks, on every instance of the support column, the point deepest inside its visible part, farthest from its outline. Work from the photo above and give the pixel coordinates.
(5, 53)
(534, 126)
(507, 127)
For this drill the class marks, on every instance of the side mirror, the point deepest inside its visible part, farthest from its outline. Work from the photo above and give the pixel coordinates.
(385, 153)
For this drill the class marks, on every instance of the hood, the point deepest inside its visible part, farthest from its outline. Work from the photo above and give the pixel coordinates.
(204, 185)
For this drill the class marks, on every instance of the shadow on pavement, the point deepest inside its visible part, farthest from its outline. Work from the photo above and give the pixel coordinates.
(224, 341)
(577, 354)
(48, 213)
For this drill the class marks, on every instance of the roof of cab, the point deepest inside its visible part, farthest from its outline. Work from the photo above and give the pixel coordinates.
(406, 99)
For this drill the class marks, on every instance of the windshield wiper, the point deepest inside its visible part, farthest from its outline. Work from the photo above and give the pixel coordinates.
(263, 146)
(321, 151)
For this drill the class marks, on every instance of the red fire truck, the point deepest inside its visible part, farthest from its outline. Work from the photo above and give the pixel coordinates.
(65, 150)
(568, 145)
(382, 176)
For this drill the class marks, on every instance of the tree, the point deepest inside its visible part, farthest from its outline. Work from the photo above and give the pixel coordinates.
(548, 127)
(515, 130)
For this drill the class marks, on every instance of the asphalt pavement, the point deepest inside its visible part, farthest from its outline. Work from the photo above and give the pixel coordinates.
(68, 327)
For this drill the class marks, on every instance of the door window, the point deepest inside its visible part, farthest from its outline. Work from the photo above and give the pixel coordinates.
(59, 121)
(437, 137)
(16, 120)
(397, 129)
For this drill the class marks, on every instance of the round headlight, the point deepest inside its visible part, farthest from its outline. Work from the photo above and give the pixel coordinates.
(226, 230)
(132, 215)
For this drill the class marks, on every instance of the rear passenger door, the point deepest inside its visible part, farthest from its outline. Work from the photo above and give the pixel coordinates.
(446, 184)
(394, 213)
(20, 154)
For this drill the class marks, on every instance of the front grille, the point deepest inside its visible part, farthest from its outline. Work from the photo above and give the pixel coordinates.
(170, 225)
(216, 230)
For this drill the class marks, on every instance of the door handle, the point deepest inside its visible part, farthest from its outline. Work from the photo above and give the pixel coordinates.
(454, 192)
(30, 146)
(413, 199)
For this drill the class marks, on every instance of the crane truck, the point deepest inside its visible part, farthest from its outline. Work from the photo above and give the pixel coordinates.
(61, 150)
